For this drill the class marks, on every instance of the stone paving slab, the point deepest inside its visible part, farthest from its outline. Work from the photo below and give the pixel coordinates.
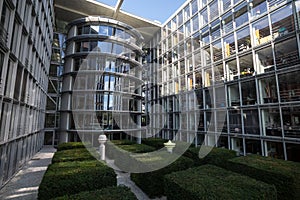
(24, 185)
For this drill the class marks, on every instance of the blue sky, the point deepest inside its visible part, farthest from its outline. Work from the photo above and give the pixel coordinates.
(159, 10)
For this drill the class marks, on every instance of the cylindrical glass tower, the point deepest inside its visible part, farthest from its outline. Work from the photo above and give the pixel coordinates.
(102, 80)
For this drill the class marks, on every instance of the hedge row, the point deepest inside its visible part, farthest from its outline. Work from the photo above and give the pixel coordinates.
(70, 145)
(216, 156)
(122, 142)
(114, 147)
(65, 178)
(152, 182)
(123, 155)
(285, 175)
(80, 154)
(212, 182)
(109, 193)
(157, 143)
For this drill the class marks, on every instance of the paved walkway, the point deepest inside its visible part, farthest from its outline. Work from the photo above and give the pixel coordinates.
(24, 185)
(123, 178)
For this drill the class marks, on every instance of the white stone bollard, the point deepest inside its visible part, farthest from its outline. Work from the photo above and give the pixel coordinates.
(102, 139)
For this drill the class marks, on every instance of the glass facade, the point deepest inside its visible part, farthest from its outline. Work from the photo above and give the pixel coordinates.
(240, 58)
(25, 53)
(104, 72)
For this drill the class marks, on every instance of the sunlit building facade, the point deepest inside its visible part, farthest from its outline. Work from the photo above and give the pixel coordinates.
(238, 59)
(26, 33)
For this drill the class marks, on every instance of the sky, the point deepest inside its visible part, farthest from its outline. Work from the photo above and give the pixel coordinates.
(159, 10)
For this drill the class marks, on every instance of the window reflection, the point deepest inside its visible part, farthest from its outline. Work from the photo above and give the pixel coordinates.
(180, 18)
(251, 123)
(106, 30)
(286, 53)
(217, 50)
(226, 4)
(198, 79)
(234, 95)
(282, 22)
(241, 15)
(227, 23)
(271, 122)
(259, 8)
(243, 40)
(262, 31)
(206, 56)
(204, 17)
(214, 10)
(232, 71)
(289, 86)
(195, 22)
(220, 97)
(219, 74)
(194, 6)
(246, 66)
(248, 92)
(186, 12)
(275, 150)
(229, 45)
(291, 121)
(268, 90)
(235, 124)
(207, 77)
(264, 60)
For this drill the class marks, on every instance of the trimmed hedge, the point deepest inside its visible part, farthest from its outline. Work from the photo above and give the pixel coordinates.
(66, 178)
(109, 193)
(212, 182)
(121, 154)
(217, 156)
(70, 145)
(157, 143)
(122, 142)
(137, 148)
(72, 155)
(285, 175)
(152, 182)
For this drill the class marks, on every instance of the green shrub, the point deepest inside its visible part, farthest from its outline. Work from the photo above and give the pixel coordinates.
(72, 155)
(285, 175)
(152, 182)
(122, 151)
(137, 148)
(109, 193)
(121, 154)
(70, 145)
(157, 143)
(216, 156)
(212, 182)
(122, 142)
(65, 178)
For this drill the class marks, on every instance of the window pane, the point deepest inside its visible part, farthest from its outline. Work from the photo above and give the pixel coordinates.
(289, 86)
(248, 93)
(282, 21)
